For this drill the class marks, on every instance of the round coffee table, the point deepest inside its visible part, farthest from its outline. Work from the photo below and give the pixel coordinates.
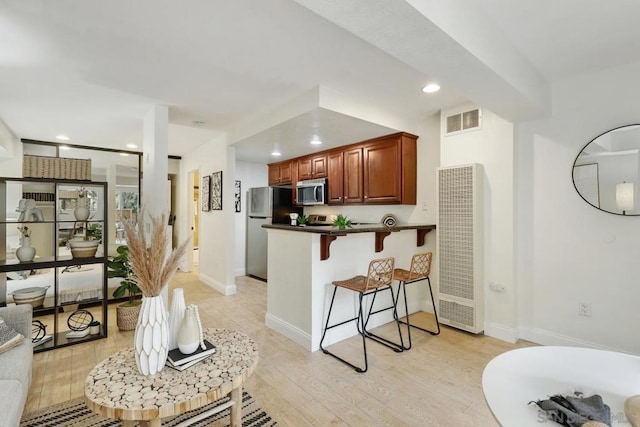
(115, 388)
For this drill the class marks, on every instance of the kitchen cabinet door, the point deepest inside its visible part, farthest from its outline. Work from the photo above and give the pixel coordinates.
(335, 182)
(312, 167)
(280, 173)
(274, 174)
(382, 172)
(319, 166)
(353, 176)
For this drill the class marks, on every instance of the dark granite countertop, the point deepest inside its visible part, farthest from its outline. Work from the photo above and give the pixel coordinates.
(358, 228)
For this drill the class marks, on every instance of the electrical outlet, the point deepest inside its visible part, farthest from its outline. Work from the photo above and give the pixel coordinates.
(425, 206)
(584, 309)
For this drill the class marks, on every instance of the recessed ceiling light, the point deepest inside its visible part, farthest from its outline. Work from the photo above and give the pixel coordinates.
(132, 146)
(124, 154)
(315, 141)
(64, 147)
(62, 137)
(431, 87)
(276, 153)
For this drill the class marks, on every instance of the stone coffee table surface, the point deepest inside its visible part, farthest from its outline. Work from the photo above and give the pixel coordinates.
(116, 389)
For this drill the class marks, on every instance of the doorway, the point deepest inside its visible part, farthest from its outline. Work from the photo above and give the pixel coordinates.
(193, 217)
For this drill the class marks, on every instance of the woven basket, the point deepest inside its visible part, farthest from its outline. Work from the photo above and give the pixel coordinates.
(127, 317)
(56, 168)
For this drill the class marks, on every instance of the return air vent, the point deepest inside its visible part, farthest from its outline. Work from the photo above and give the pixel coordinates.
(469, 120)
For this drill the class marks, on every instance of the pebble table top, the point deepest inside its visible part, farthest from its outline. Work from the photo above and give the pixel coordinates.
(115, 388)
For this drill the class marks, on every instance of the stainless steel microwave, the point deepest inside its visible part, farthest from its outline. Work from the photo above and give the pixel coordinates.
(311, 192)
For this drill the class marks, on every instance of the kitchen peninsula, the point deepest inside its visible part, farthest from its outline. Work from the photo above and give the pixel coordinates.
(303, 261)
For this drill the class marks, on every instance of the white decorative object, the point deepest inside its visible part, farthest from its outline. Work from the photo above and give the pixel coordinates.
(81, 212)
(25, 252)
(29, 211)
(151, 341)
(190, 335)
(176, 314)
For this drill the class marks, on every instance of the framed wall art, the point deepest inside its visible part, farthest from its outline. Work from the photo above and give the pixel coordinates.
(237, 195)
(216, 191)
(205, 199)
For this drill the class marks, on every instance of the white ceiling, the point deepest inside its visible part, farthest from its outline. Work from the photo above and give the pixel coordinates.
(92, 69)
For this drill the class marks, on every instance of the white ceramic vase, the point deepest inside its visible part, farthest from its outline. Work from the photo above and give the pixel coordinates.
(189, 334)
(176, 314)
(81, 212)
(151, 340)
(25, 252)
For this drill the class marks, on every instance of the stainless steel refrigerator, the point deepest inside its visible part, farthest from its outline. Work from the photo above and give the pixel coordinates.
(266, 205)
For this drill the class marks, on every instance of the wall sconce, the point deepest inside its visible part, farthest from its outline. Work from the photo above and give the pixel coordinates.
(625, 196)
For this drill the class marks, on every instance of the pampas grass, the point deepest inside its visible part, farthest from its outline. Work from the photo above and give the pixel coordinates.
(151, 266)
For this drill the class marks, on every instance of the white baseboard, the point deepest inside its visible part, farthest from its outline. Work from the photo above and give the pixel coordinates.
(540, 336)
(333, 336)
(218, 286)
(501, 332)
(241, 271)
(295, 334)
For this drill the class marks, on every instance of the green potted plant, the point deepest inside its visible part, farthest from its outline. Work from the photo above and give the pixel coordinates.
(302, 220)
(94, 232)
(127, 312)
(342, 222)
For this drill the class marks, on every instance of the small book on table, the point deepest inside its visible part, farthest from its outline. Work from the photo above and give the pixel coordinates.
(176, 358)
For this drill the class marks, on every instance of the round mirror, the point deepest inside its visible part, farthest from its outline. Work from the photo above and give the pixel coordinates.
(606, 171)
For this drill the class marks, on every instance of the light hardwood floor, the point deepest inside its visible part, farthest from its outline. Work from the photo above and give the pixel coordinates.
(436, 383)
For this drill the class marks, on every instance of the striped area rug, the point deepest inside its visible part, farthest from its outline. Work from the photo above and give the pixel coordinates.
(75, 413)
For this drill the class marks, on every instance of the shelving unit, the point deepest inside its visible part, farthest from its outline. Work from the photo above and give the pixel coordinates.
(77, 283)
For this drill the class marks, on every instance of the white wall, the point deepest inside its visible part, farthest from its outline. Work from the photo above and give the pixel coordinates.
(493, 147)
(568, 251)
(10, 153)
(251, 175)
(216, 240)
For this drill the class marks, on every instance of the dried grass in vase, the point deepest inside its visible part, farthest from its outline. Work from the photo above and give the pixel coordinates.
(151, 266)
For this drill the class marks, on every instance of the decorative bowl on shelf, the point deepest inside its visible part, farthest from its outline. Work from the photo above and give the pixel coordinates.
(34, 295)
(83, 248)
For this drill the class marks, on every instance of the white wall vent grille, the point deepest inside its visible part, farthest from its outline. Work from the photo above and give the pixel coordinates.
(463, 314)
(460, 247)
(469, 120)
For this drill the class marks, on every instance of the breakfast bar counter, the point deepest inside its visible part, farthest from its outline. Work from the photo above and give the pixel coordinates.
(329, 234)
(300, 272)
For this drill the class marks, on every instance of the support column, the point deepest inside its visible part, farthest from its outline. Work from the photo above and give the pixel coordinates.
(155, 166)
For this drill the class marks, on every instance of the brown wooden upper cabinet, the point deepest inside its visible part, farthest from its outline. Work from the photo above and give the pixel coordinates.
(280, 173)
(345, 177)
(312, 167)
(377, 171)
(390, 169)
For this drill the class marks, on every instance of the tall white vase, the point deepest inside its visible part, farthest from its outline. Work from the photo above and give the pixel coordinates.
(176, 314)
(151, 340)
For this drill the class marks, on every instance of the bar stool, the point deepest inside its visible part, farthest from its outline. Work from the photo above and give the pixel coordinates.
(419, 270)
(379, 278)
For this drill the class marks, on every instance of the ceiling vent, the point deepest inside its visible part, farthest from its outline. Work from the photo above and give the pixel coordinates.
(461, 122)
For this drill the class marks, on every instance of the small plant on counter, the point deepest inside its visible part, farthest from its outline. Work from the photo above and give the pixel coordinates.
(302, 219)
(342, 222)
